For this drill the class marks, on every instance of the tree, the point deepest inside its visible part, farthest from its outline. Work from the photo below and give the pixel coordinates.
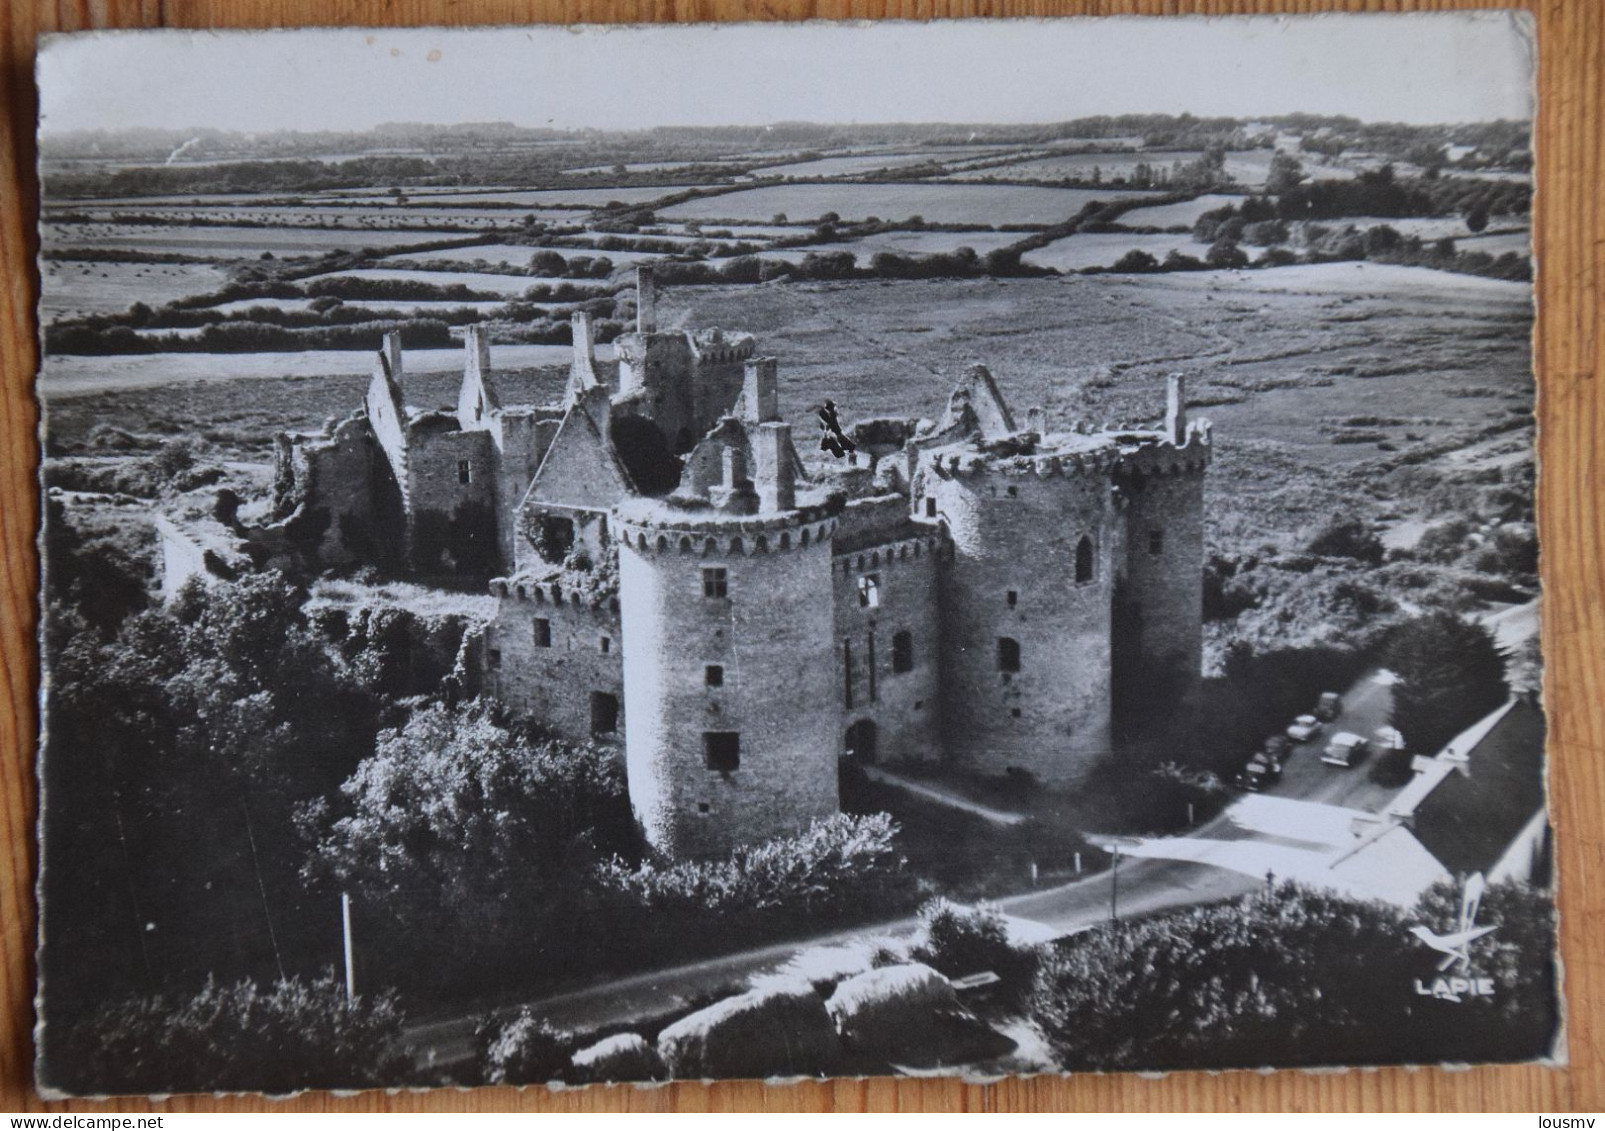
(1275, 978)
(1477, 217)
(1285, 172)
(1451, 673)
(1135, 262)
(294, 1034)
(1224, 253)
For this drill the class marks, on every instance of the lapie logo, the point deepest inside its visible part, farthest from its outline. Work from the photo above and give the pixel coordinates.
(1456, 950)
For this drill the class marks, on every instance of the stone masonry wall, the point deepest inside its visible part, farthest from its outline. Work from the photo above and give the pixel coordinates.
(769, 636)
(1017, 533)
(904, 708)
(554, 682)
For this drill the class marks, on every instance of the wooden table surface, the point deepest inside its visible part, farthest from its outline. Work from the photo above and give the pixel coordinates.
(1568, 236)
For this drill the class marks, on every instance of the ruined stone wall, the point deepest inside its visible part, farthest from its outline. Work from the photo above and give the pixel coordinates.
(1159, 604)
(525, 436)
(553, 673)
(882, 591)
(657, 368)
(1015, 528)
(339, 503)
(452, 524)
(769, 636)
(718, 376)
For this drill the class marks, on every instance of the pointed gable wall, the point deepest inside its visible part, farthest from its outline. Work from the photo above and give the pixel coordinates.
(580, 468)
(979, 392)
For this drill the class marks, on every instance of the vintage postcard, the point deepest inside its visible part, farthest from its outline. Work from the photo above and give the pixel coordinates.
(607, 555)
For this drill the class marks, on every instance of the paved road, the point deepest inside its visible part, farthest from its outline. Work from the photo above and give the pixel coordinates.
(1145, 886)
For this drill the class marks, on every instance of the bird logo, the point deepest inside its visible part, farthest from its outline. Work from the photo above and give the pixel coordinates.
(1456, 946)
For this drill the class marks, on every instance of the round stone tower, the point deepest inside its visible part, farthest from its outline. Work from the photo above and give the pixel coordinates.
(1026, 604)
(729, 679)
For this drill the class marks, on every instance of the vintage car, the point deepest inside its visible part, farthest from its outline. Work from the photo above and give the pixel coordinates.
(1262, 770)
(1329, 707)
(1345, 749)
(1304, 728)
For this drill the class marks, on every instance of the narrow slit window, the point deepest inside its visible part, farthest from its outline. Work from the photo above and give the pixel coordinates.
(713, 675)
(1008, 654)
(1084, 562)
(930, 506)
(1156, 542)
(543, 632)
(465, 471)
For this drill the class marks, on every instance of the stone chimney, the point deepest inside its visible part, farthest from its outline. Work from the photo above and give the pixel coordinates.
(476, 352)
(582, 370)
(776, 474)
(735, 494)
(1176, 410)
(646, 301)
(1036, 420)
(392, 355)
(760, 397)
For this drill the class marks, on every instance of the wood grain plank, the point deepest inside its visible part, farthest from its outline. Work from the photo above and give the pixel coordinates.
(1568, 239)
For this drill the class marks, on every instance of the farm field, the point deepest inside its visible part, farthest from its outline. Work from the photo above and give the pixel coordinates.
(176, 374)
(1497, 243)
(231, 242)
(518, 255)
(851, 166)
(1185, 212)
(902, 243)
(509, 285)
(1102, 249)
(378, 306)
(584, 197)
(936, 203)
(1246, 167)
(71, 289)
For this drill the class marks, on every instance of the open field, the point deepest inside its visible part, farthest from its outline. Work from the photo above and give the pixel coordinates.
(177, 374)
(519, 255)
(510, 285)
(241, 243)
(583, 197)
(377, 306)
(1102, 249)
(72, 288)
(853, 166)
(1246, 167)
(1497, 243)
(981, 205)
(903, 243)
(1184, 212)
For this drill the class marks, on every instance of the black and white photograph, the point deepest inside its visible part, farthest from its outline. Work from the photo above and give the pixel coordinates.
(581, 555)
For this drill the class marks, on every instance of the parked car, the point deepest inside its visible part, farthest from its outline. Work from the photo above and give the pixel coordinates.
(1262, 770)
(1304, 728)
(1329, 707)
(1345, 749)
(1279, 746)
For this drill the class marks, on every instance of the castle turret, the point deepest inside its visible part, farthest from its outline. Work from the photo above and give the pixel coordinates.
(1159, 601)
(728, 673)
(760, 396)
(1026, 603)
(776, 461)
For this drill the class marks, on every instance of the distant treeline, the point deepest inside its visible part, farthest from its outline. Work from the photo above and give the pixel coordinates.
(248, 337)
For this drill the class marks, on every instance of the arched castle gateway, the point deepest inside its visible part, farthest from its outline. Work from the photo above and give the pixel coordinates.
(671, 577)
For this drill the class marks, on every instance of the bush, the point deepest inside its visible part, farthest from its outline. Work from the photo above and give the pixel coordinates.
(885, 1011)
(1274, 979)
(1348, 538)
(623, 1057)
(525, 1050)
(293, 1035)
(1135, 262)
(779, 1030)
(959, 941)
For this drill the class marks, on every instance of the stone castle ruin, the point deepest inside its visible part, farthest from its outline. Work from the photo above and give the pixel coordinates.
(672, 577)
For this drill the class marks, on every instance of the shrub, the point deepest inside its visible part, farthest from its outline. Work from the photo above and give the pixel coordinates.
(1135, 261)
(292, 1035)
(1451, 673)
(959, 941)
(1348, 538)
(525, 1050)
(886, 1010)
(779, 1030)
(623, 1057)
